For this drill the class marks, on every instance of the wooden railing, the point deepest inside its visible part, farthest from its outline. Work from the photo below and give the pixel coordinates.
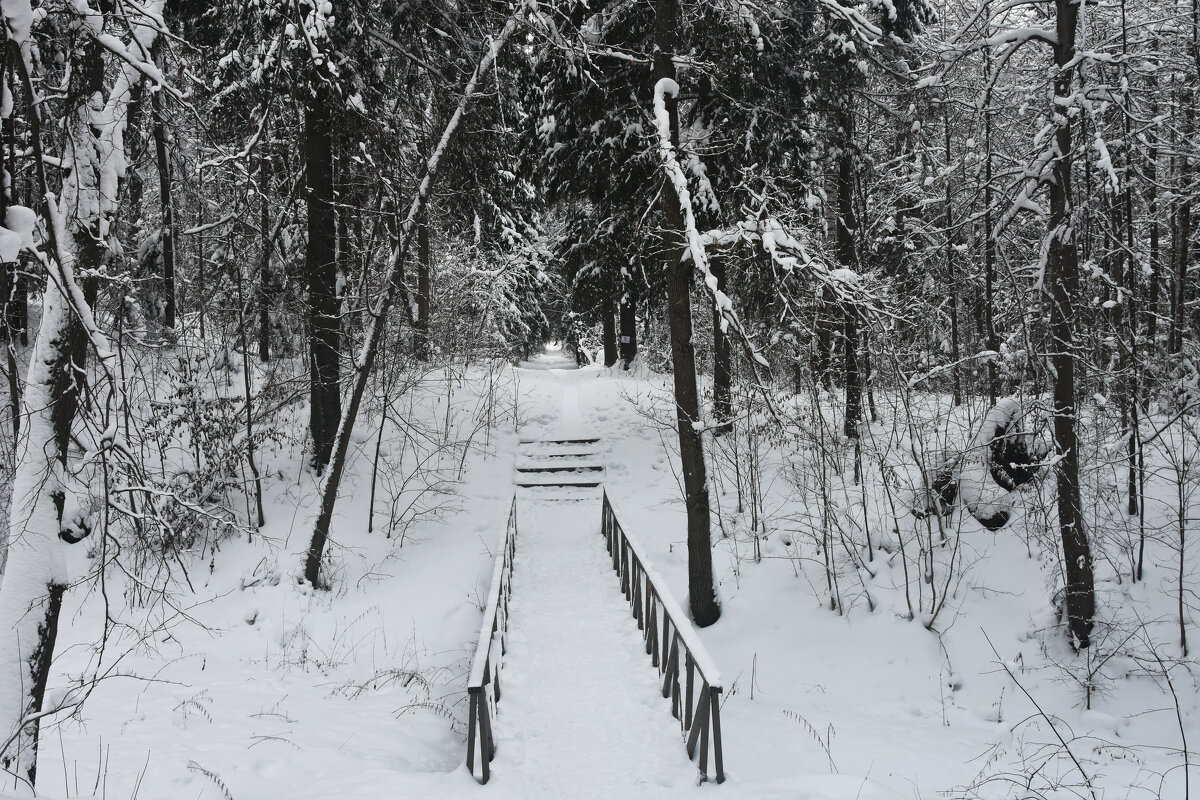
(484, 684)
(672, 643)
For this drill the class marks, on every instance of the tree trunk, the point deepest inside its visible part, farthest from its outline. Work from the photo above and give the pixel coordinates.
(1183, 230)
(36, 575)
(370, 346)
(424, 270)
(846, 225)
(608, 330)
(263, 295)
(701, 588)
(166, 201)
(955, 348)
(722, 361)
(1062, 267)
(321, 264)
(989, 245)
(1152, 211)
(628, 318)
(823, 355)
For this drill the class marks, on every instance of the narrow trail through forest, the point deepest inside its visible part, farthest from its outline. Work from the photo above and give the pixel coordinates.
(581, 714)
(580, 700)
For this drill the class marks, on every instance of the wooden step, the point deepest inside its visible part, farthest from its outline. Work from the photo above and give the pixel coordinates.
(588, 480)
(565, 468)
(592, 440)
(561, 494)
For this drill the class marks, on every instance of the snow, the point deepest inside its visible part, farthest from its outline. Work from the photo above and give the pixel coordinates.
(10, 245)
(579, 695)
(360, 693)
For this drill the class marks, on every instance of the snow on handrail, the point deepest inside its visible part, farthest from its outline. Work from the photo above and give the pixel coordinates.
(484, 646)
(679, 618)
(489, 649)
(665, 627)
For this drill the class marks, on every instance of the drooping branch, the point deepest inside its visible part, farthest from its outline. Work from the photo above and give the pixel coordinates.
(370, 347)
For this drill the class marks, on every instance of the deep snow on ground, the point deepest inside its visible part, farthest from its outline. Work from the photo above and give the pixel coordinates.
(257, 687)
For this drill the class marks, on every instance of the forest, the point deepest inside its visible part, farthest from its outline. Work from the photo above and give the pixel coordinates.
(879, 319)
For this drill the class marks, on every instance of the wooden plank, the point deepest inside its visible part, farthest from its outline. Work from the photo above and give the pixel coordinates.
(699, 722)
(471, 715)
(564, 479)
(716, 729)
(563, 468)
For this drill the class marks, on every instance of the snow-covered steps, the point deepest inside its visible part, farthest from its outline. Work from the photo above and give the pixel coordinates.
(561, 494)
(558, 443)
(562, 463)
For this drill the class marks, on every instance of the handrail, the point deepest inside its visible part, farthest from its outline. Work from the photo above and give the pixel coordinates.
(489, 652)
(667, 630)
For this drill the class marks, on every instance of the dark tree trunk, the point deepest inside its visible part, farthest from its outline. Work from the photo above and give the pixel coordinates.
(823, 356)
(321, 264)
(424, 270)
(722, 361)
(1183, 232)
(263, 295)
(1062, 267)
(701, 588)
(989, 245)
(628, 320)
(846, 226)
(608, 330)
(166, 201)
(71, 383)
(1152, 211)
(955, 345)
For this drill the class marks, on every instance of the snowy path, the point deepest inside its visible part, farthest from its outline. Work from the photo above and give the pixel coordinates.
(581, 715)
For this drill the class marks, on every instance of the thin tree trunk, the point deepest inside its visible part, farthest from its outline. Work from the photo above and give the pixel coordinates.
(1183, 231)
(955, 348)
(846, 226)
(1062, 267)
(263, 295)
(823, 355)
(1128, 321)
(321, 264)
(166, 200)
(722, 362)
(370, 347)
(8, 270)
(424, 286)
(701, 588)
(248, 400)
(989, 243)
(1152, 211)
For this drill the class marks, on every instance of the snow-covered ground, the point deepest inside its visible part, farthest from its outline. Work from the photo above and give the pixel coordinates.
(253, 686)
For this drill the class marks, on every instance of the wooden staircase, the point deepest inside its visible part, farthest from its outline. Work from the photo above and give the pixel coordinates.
(553, 468)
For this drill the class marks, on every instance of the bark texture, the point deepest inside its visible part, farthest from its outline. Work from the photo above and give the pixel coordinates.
(701, 589)
(321, 264)
(1062, 267)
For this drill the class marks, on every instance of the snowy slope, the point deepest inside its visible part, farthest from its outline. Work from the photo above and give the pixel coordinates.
(255, 687)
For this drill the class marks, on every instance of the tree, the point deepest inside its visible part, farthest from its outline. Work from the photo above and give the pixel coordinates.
(701, 589)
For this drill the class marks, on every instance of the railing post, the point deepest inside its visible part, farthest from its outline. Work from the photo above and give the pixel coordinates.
(687, 707)
(715, 705)
(699, 722)
(696, 707)
(489, 747)
(471, 717)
